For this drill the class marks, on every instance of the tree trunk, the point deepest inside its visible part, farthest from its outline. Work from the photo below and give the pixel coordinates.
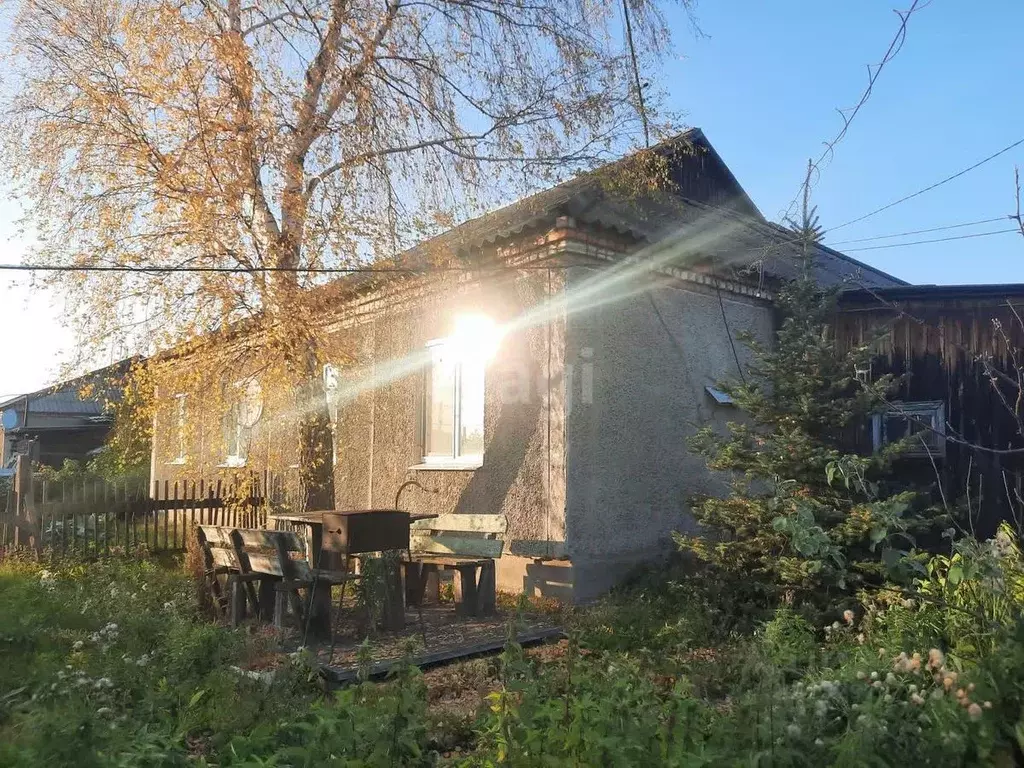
(301, 350)
(316, 440)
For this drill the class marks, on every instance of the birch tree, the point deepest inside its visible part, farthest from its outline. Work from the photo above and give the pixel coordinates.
(261, 139)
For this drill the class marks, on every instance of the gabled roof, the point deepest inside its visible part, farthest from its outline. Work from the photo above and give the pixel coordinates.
(703, 191)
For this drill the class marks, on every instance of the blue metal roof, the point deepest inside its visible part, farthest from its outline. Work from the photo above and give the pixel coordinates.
(65, 398)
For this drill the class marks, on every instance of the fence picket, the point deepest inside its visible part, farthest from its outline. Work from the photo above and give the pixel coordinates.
(103, 516)
(145, 523)
(176, 512)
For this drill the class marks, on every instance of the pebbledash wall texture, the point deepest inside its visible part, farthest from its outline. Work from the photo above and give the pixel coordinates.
(588, 404)
(629, 471)
(379, 436)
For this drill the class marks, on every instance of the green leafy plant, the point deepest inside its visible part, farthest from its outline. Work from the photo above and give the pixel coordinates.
(809, 515)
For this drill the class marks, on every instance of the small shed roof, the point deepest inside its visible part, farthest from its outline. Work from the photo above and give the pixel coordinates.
(65, 400)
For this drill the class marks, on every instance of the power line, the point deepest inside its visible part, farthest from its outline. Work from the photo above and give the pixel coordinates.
(258, 270)
(641, 107)
(894, 48)
(920, 231)
(956, 175)
(935, 240)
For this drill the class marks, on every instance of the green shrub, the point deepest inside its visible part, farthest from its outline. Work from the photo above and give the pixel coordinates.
(788, 642)
(108, 663)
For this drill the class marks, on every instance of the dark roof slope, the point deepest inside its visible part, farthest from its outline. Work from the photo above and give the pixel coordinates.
(65, 399)
(831, 266)
(932, 292)
(703, 196)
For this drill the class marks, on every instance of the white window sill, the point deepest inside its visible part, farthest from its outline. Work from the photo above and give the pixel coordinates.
(450, 465)
(232, 463)
(176, 462)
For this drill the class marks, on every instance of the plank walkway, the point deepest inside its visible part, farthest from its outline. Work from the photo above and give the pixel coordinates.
(339, 676)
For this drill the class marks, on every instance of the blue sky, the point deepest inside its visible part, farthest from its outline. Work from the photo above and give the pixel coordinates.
(764, 86)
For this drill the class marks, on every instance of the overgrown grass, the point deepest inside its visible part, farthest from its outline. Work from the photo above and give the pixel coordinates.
(113, 663)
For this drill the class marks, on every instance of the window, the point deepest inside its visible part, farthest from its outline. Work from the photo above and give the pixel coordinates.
(179, 443)
(454, 413)
(925, 421)
(242, 415)
(331, 387)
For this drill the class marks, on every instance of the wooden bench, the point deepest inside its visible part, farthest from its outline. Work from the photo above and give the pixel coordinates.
(466, 544)
(265, 571)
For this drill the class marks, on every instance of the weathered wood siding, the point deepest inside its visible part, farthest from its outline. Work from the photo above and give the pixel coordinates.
(956, 349)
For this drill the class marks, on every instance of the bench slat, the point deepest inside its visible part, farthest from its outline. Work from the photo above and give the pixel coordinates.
(463, 523)
(440, 544)
(252, 537)
(224, 557)
(217, 536)
(268, 564)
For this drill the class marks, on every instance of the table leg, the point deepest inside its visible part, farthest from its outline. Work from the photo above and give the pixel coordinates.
(236, 592)
(486, 590)
(466, 590)
(320, 612)
(265, 598)
(422, 583)
(394, 606)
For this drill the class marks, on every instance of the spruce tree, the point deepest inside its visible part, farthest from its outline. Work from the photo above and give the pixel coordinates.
(811, 512)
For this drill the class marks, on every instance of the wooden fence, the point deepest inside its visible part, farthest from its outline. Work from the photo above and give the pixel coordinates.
(96, 517)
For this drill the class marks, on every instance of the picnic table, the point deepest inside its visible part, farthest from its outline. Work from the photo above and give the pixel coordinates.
(333, 536)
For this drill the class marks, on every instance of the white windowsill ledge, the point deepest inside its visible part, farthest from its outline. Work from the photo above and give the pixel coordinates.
(176, 462)
(453, 465)
(232, 463)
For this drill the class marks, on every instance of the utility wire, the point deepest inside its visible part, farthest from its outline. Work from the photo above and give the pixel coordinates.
(934, 240)
(894, 48)
(257, 270)
(919, 231)
(641, 107)
(956, 175)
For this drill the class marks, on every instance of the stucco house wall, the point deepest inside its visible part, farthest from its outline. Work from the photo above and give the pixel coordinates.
(629, 471)
(378, 434)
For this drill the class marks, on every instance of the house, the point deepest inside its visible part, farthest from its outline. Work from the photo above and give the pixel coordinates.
(957, 350)
(554, 380)
(67, 420)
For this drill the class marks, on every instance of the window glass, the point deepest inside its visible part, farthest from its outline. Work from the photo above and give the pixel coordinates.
(471, 409)
(441, 413)
(923, 420)
(455, 404)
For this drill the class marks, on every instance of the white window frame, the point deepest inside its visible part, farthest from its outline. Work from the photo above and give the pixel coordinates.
(930, 412)
(242, 437)
(455, 459)
(180, 424)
